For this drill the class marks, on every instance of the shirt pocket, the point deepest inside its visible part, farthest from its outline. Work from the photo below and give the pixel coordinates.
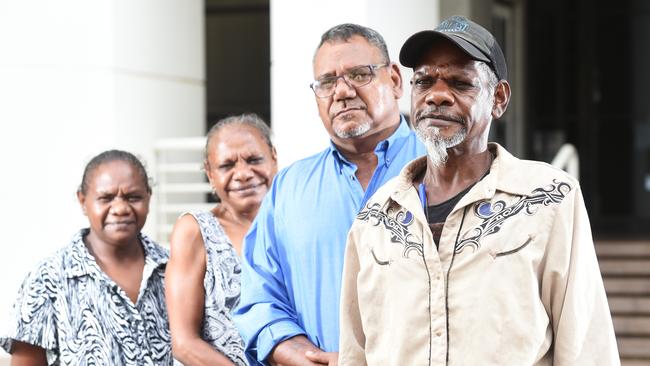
(380, 256)
(512, 247)
(387, 252)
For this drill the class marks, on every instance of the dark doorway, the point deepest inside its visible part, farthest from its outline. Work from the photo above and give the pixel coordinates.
(587, 77)
(237, 44)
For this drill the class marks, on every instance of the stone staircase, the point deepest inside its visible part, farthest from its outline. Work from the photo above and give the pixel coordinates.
(625, 266)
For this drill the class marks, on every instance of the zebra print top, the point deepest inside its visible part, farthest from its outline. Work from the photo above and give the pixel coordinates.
(73, 310)
(222, 288)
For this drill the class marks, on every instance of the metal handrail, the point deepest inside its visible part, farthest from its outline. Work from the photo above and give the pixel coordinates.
(567, 159)
(181, 184)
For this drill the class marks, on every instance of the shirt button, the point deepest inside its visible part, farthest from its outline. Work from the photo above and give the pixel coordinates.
(438, 333)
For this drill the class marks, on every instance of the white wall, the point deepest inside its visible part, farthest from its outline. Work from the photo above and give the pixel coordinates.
(296, 27)
(78, 77)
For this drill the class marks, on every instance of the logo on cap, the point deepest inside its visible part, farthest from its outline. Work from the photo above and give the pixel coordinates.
(453, 24)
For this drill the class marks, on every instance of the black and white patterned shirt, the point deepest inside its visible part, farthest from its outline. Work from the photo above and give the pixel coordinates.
(80, 316)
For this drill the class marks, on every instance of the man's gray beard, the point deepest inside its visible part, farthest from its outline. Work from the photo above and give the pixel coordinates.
(354, 132)
(436, 145)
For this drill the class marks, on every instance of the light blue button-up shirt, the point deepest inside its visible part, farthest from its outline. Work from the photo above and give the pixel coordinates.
(293, 253)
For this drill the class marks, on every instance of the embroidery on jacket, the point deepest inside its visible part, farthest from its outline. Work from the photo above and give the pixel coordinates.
(495, 214)
(398, 226)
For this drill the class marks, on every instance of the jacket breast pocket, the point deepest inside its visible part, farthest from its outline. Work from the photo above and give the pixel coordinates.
(513, 247)
(380, 257)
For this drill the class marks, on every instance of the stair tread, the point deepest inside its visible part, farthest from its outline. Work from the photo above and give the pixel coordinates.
(639, 286)
(629, 305)
(632, 325)
(633, 347)
(639, 267)
(634, 362)
(637, 248)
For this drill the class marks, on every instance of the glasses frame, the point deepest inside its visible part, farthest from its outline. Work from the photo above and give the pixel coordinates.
(344, 76)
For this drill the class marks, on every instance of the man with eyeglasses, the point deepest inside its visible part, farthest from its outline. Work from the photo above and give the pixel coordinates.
(293, 253)
(471, 256)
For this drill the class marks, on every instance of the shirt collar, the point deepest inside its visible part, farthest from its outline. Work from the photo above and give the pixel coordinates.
(390, 147)
(80, 262)
(504, 176)
(394, 143)
(413, 171)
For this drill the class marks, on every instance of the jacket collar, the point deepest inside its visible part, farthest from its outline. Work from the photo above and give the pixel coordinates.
(504, 176)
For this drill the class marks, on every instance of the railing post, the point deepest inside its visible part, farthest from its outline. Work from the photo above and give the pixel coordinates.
(568, 160)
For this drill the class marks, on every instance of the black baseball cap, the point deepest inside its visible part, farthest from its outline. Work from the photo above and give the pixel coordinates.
(475, 40)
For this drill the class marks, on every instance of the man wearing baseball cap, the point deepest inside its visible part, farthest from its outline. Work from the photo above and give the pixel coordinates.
(471, 256)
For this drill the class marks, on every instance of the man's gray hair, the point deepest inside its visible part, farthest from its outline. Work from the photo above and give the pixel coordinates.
(345, 31)
(492, 77)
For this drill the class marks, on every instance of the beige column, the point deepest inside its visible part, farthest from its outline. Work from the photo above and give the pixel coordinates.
(78, 77)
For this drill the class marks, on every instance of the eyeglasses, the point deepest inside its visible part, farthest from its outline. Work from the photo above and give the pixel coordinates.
(355, 77)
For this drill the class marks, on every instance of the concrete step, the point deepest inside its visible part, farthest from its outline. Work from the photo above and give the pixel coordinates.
(623, 249)
(634, 362)
(627, 305)
(624, 267)
(631, 286)
(636, 348)
(637, 326)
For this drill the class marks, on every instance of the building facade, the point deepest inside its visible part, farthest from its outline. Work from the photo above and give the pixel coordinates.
(79, 77)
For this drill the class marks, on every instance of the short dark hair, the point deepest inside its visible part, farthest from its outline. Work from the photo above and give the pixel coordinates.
(246, 119)
(110, 156)
(345, 31)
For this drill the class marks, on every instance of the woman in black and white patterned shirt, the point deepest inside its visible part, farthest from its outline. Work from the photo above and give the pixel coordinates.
(99, 300)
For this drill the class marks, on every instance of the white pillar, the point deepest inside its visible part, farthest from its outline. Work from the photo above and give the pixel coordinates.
(296, 27)
(78, 77)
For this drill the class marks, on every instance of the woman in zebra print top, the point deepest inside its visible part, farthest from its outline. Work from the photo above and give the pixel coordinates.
(99, 300)
(203, 275)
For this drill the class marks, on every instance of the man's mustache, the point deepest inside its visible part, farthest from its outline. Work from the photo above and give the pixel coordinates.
(438, 114)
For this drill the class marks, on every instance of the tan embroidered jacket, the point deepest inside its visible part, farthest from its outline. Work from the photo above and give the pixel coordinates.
(515, 280)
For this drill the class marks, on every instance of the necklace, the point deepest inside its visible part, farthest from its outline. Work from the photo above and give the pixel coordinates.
(457, 197)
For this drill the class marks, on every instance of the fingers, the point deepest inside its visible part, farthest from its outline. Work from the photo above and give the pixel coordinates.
(317, 356)
(323, 358)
